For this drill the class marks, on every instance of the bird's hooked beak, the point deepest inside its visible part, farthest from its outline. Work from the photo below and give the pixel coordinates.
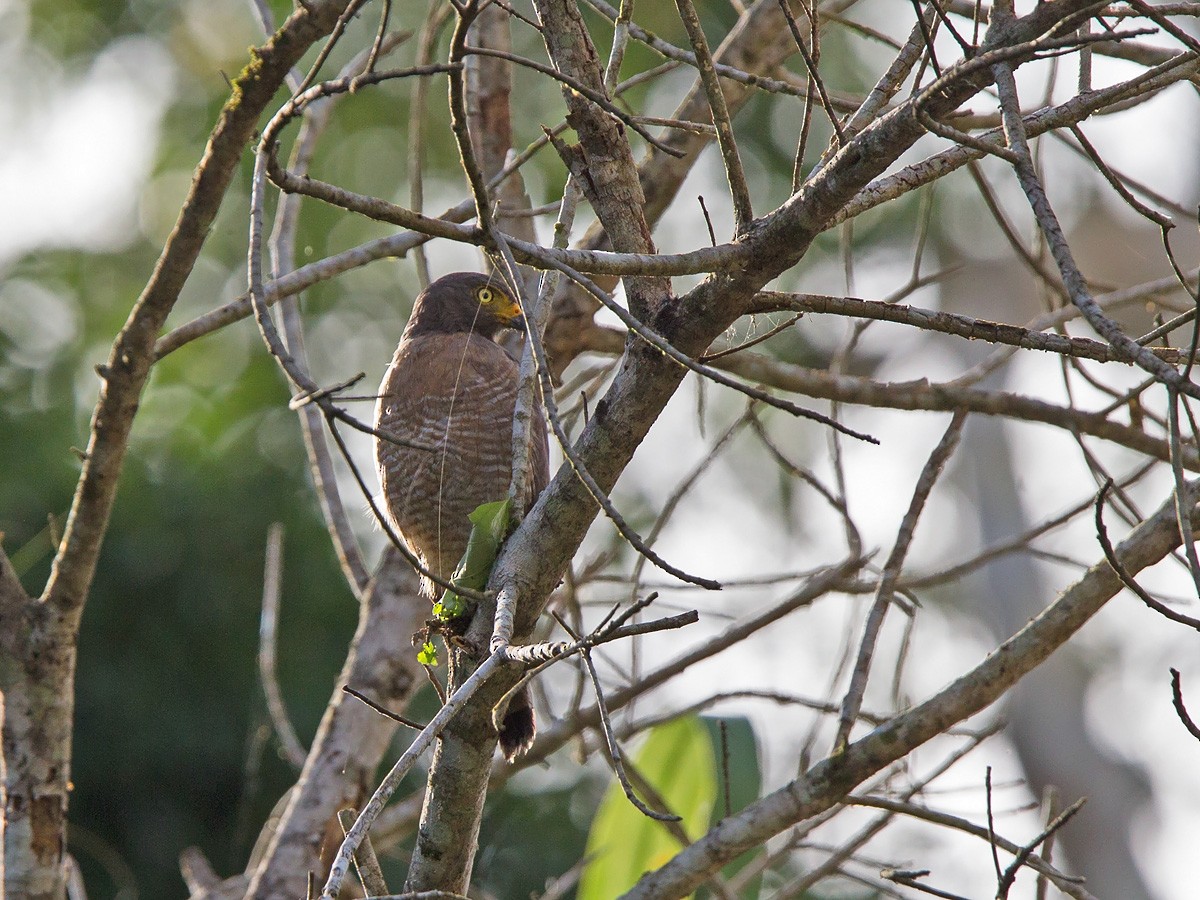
(510, 316)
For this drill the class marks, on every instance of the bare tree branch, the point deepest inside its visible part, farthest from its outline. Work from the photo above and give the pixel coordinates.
(352, 738)
(743, 212)
(267, 643)
(825, 783)
(885, 595)
(961, 326)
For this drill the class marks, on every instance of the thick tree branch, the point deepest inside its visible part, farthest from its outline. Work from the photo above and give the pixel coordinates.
(609, 177)
(352, 738)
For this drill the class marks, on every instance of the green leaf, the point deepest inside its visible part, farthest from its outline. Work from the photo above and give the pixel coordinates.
(489, 527)
(745, 780)
(427, 655)
(677, 759)
(451, 606)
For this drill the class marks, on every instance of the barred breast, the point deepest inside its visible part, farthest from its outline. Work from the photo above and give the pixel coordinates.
(454, 393)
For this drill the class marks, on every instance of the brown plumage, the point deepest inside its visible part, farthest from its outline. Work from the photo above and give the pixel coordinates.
(452, 387)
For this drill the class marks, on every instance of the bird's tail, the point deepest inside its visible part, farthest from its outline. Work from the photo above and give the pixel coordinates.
(518, 728)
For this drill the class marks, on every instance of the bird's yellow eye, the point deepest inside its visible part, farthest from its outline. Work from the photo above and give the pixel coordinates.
(486, 295)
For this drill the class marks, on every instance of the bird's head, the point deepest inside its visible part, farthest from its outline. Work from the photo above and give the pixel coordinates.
(464, 302)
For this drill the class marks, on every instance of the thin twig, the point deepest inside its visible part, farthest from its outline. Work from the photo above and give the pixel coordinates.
(735, 176)
(954, 324)
(1180, 709)
(614, 749)
(886, 87)
(536, 320)
(1126, 578)
(1069, 884)
(712, 234)
(380, 33)
(553, 651)
(1115, 181)
(933, 469)
(726, 787)
(1081, 296)
(1022, 856)
(293, 750)
(679, 55)
(281, 246)
(662, 344)
(599, 99)
(833, 861)
(459, 118)
(682, 488)
(612, 71)
(836, 503)
(991, 823)
(1050, 807)
(813, 74)
(968, 48)
(1018, 543)
(1183, 498)
(753, 342)
(418, 114)
(908, 878)
(348, 13)
(382, 710)
(813, 588)
(366, 863)
(810, 94)
(1034, 264)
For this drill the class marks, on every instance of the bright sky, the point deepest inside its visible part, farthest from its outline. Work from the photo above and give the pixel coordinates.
(80, 143)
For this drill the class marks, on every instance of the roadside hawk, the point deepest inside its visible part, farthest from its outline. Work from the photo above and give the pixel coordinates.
(452, 387)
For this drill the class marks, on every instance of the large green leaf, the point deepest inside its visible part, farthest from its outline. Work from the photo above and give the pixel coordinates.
(489, 526)
(677, 760)
(745, 781)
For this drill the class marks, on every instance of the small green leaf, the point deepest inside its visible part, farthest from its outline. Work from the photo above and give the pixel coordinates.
(677, 759)
(451, 606)
(489, 527)
(427, 655)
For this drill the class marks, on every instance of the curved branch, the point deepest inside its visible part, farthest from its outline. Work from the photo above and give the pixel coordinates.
(352, 738)
(958, 325)
(924, 395)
